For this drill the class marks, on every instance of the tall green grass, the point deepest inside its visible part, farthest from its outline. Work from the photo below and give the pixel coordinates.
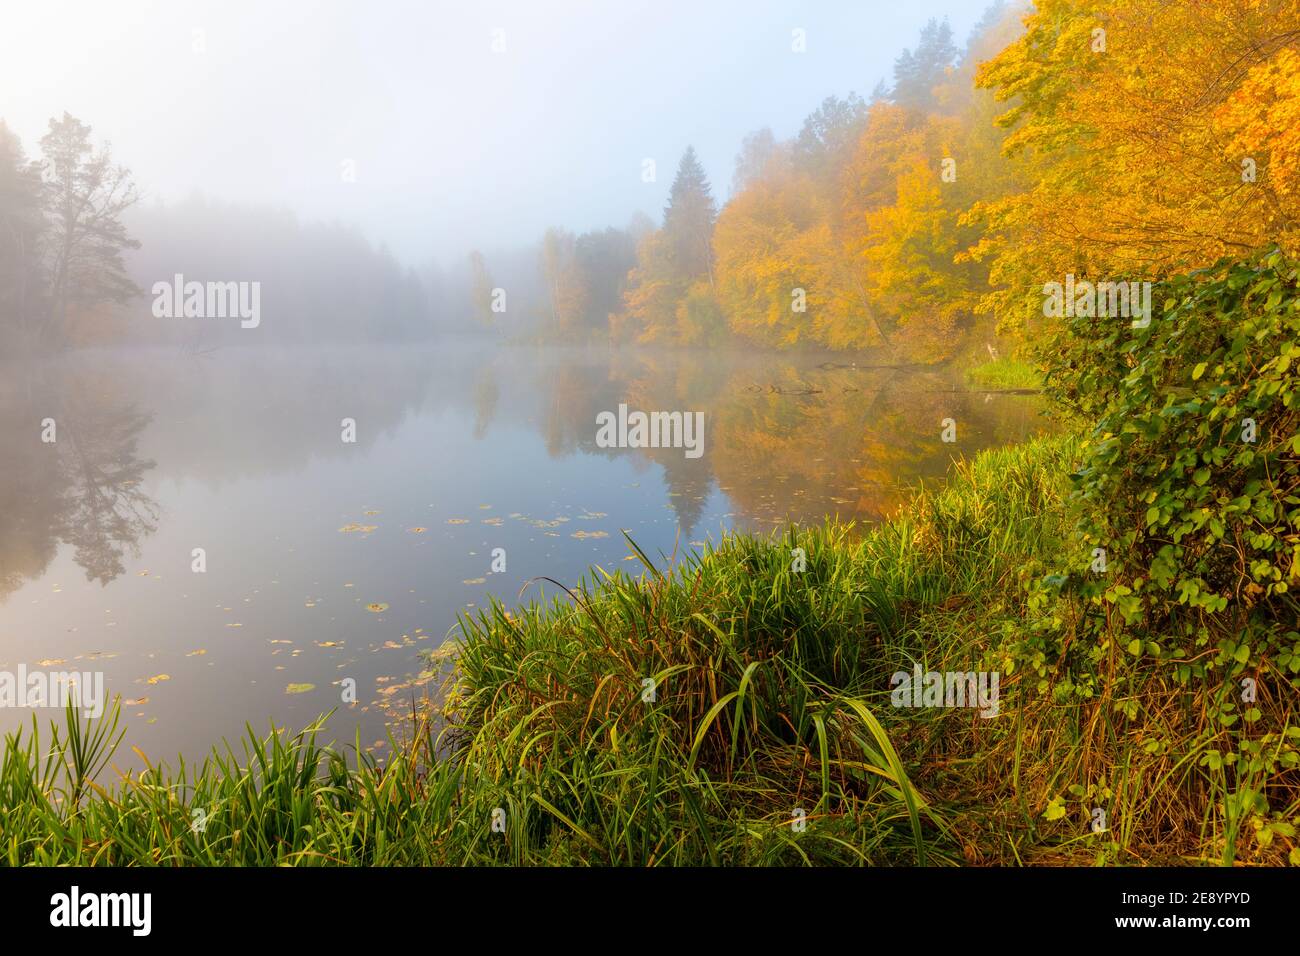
(725, 709)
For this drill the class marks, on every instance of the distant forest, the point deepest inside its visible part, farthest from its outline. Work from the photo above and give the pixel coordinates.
(920, 221)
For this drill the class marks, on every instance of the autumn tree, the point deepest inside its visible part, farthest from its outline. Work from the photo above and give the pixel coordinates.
(1144, 135)
(564, 288)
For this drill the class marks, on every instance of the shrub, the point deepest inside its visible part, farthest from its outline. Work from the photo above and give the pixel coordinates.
(1189, 480)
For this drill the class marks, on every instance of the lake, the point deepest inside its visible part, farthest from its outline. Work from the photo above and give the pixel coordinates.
(324, 560)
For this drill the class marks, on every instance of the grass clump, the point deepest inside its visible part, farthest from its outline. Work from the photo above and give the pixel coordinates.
(1004, 374)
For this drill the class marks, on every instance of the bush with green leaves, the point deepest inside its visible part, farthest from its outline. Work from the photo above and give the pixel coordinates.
(1189, 480)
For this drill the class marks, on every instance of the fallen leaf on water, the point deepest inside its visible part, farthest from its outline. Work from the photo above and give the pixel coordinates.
(474, 581)
(367, 528)
(299, 688)
(158, 678)
(376, 608)
(51, 662)
(199, 653)
(457, 521)
(136, 702)
(590, 534)
(418, 530)
(329, 643)
(370, 512)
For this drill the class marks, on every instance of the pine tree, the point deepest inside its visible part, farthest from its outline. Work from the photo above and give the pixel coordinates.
(689, 219)
(917, 74)
(87, 195)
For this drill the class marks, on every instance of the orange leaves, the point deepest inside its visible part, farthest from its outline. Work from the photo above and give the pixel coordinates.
(1133, 143)
(1262, 119)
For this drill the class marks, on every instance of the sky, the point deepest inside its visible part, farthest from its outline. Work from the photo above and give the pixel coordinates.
(402, 117)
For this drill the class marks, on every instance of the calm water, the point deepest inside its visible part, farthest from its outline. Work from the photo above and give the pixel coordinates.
(328, 560)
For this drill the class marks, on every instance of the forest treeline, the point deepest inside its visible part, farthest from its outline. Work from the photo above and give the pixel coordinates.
(80, 251)
(1093, 138)
(1097, 139)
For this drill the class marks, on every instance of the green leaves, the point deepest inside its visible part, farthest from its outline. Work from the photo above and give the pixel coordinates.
(1190, 479)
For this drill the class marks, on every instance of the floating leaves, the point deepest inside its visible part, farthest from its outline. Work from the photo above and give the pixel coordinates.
(376, 608)
(199, 653)
(299, 688)
(590, 534)
(158, 678)
(457, 521)
(364, 528)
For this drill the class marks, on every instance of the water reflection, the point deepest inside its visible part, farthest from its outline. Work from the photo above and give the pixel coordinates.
(459, 451)
(81, 487)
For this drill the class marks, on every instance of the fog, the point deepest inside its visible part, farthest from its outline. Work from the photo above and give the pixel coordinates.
(451, 145)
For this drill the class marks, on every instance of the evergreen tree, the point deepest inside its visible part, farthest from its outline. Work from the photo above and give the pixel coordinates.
(688, 220)
(917, 74)
(22, 225)
(480, 289)
(86, 197)
(828, 136)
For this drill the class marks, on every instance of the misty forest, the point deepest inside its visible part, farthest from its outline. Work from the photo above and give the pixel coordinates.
(916, 481)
